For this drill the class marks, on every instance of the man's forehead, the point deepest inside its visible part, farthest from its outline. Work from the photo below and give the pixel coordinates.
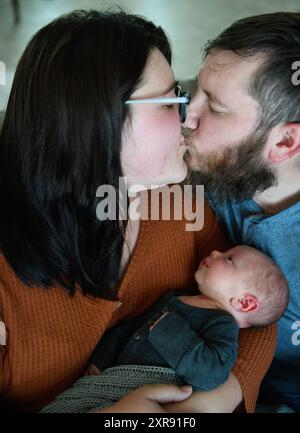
(228, 66)
(222, 60)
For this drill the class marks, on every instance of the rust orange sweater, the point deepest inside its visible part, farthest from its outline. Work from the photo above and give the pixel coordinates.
(51, 335)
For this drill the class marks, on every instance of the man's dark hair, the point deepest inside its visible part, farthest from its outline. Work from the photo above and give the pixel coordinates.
(277, 37)
(61, 140)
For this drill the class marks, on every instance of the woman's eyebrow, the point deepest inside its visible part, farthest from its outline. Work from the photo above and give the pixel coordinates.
(160, 93)
(170, 87)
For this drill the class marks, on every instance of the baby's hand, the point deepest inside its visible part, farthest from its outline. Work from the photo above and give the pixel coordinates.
(92, 370)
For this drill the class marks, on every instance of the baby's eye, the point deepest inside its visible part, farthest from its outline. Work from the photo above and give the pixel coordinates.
(169, 106)
(229, 259)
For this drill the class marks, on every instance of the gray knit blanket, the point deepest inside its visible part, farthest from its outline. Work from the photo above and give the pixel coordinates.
(90, 392)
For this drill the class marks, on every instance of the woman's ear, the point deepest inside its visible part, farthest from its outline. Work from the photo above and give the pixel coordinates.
(288, 145)
(244, 304)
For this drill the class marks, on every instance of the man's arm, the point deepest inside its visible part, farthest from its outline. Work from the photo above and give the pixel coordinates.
(148, 399)
(224, 399)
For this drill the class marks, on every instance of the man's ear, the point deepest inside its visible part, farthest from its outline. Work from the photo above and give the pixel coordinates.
(244, 304)
(289, 144)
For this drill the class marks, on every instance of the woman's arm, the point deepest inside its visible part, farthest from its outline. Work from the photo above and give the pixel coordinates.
(255, 354)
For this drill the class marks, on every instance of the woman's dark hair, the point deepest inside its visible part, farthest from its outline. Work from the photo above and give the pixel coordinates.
(61, 140)
(277, 37)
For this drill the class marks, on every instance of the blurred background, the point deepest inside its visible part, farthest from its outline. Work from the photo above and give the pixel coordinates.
(188, 23)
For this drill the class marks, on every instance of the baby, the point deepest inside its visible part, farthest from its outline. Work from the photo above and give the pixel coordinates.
(244, 282)
(195, 336)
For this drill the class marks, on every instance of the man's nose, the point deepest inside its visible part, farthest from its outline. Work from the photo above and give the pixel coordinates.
(192, 120)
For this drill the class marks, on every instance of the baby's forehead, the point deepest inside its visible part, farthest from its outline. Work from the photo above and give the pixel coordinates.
(249, 258)
(247, 250)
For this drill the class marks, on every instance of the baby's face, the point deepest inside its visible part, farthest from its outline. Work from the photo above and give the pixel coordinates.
(221, 276)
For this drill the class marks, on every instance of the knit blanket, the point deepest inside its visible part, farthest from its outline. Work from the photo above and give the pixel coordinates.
(90, 392)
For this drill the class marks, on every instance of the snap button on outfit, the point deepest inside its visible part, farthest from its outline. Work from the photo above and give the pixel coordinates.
(136, 336)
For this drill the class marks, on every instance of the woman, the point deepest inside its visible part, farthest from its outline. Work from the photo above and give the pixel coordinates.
(67, 276)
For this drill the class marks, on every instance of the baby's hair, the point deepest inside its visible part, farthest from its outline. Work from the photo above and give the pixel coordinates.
(271, 288)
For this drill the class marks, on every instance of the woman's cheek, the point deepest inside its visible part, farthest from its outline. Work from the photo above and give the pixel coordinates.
(169, 130)
(154, 144)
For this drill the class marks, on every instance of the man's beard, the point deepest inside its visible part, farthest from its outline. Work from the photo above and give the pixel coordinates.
(236, 173)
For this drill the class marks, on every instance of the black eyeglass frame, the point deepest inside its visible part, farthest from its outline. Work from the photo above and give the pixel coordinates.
(182, 99)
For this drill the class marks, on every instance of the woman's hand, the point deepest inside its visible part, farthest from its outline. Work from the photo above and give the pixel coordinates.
(149, 399)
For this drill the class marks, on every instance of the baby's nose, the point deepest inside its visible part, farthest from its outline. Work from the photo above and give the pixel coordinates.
(216, 254)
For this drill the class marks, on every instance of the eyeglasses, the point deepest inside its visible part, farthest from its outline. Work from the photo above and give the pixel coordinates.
(182, 99)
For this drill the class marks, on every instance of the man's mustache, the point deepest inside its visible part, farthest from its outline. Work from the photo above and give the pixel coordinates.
(186, 132)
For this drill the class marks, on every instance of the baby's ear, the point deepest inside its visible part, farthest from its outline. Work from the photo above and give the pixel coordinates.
(244, 304)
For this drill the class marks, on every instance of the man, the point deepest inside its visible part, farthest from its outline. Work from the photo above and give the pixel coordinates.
(244, 145)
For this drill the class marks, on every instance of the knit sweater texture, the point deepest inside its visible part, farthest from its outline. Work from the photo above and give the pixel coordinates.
(51, 335)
